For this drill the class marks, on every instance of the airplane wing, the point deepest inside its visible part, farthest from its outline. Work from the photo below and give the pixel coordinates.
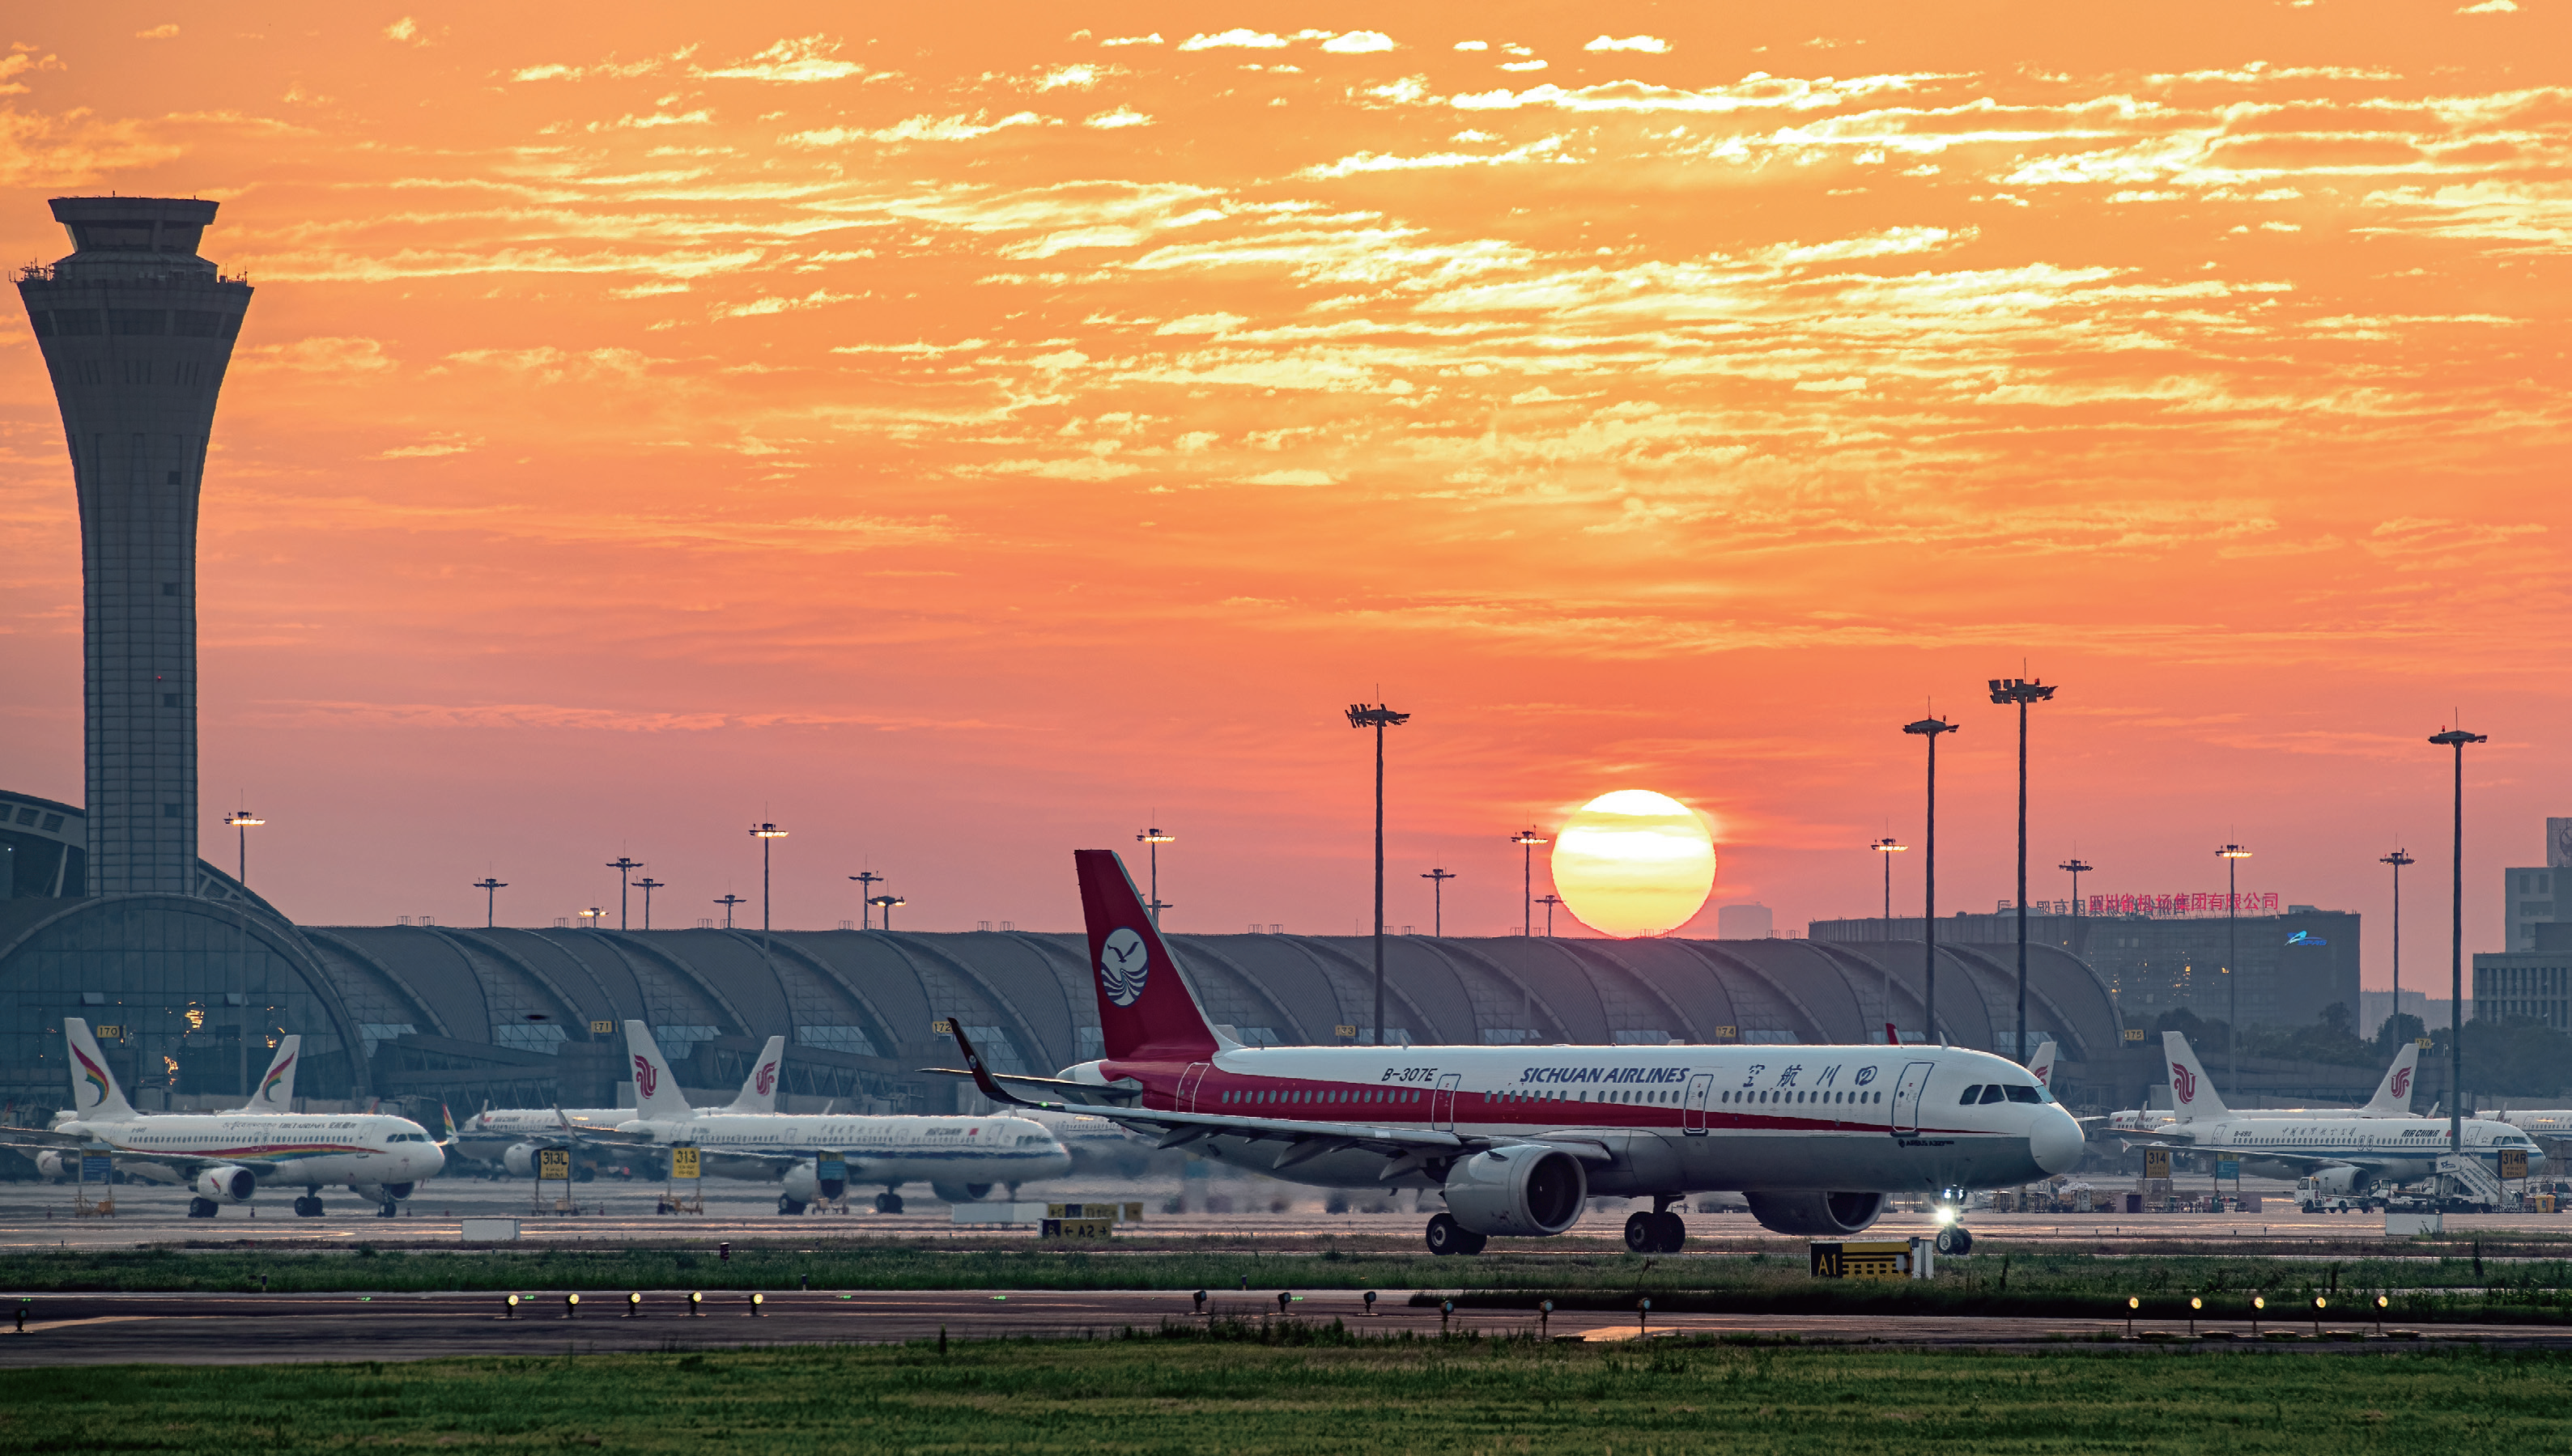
(1408, 1148)
(597, 1134)
(1083, 1092)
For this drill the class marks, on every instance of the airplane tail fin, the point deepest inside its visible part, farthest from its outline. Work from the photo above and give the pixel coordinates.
(276, 1092)
(2041, 1067)
(2393, 1097)
(1146, 1012)
(758, 1089)
(656, 1091)
(447, 1116)
(94, 1091)
(2192, 1091)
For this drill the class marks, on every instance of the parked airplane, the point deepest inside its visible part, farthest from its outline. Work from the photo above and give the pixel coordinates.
(2347, 1155)
(511, 1137)
(1516, 1139)
(818, 1155)
(2041, 1067)
(274, 1096)
(2392, 1099)
(225, 1157)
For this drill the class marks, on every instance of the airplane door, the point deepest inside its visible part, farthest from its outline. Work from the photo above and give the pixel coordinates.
(1907, 1094)
(1442, 1103)
(1188, 1080)
(1701, 1092)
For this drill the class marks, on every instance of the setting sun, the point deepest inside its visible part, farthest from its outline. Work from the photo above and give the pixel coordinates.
(1634, 863)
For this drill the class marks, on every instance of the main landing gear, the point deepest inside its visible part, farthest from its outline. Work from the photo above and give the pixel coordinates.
(308, 1206)
(787, 1206)
(201, 1208)
(1446, 1236)
(888, 1202)
(388, 1209)
(1658, 1231)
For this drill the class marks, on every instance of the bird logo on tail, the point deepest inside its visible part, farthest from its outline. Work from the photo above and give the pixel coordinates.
(2183, 1083)
(2402, 1083)
(767, 1077)
(1123, 963)
(645, 1078)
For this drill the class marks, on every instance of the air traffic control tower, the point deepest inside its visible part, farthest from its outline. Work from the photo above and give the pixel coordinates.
(137, 329)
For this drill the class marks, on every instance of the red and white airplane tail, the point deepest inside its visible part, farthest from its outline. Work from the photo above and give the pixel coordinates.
(2192, 1091)
(656, 1092)
(2041, 1067)
(2393, 1097)
(1146, 1012)
(758, 1089)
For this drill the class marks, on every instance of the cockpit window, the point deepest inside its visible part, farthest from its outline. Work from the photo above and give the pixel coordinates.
(1973, 1094)
(1996, 1093)
(2024, 1094)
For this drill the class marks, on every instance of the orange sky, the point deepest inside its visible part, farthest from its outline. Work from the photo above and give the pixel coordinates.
(964, 436)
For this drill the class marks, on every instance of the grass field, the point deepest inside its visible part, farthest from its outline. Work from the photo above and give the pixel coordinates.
(1318, 1390)
(1997, 1281)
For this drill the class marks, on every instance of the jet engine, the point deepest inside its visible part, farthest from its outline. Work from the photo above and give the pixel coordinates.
(1526, 1190)
(383, 1192)
(962, 1192)
(227, 1184)
(519, 1159)
(1822, 1213)
(51, 1166)
(804, 1186)
(2343, 1182)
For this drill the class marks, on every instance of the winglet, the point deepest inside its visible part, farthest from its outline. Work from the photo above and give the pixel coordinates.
(95, 1096)
(983, 1081)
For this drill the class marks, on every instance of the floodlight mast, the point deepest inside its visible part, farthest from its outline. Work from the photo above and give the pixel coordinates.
(624, 866)
(2233, 856)
(2397, 859)
(729, 900)
(1438, 878)
(1156, 838)
(2456, 739)
(1930, 729)
(647, 885)
(1548, 902)
(242, 822)
(2023, 691)
(491, 888)
(867, 881)
(1527, 839)
(1379, 716)
(766, 834)
(1887, 848)
(886, 903)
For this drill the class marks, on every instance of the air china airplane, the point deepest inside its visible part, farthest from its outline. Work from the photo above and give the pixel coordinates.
(2392, 1099)
(2041, 1066)
(224, 1156)
(2347, 1155)
(1518, 1138)
(511, 1137)
(818, 1155)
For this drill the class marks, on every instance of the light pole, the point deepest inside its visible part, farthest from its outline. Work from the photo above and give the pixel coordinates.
(1887, 848)
(765, 834)
(2020, 691)
(647, 885)
(2397, 859)
(887, 902)
(728, 901)
(1438, 879)
(1156, 838)
(2078, 869)
(591, 918)
(624, 866)
(1377, 718)
(490, 889)
(242, 822)
(1527, 839)
(867, 881)
(1548, 902)
(1930, 729)
(2233, 856)
(2456, 739)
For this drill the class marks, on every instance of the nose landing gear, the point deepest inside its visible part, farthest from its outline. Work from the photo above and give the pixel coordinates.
(1953, 1239)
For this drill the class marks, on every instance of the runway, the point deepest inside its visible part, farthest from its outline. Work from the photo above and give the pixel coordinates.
(94, 1329)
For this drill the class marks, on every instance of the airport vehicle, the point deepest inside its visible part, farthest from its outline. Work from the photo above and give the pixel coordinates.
(2392, 1099)
(2344, 1156)
(225, 1158)
(819, 1156)
(513, 1137)
(1518, 1138)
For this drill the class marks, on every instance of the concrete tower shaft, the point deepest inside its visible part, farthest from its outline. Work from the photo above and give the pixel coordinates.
(137, 330)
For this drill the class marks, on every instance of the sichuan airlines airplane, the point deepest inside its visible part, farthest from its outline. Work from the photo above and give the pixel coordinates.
(511, 1137)
(1518, 1138)
(2347, 1155)
(224, 1156)
(818, 1155)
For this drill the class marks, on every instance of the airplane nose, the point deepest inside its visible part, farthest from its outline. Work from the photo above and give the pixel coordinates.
(2055, 1141)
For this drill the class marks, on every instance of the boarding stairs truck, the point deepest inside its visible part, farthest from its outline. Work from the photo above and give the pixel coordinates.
(2470, 1187)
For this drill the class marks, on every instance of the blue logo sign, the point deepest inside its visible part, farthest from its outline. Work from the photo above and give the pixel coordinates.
(2305, 937)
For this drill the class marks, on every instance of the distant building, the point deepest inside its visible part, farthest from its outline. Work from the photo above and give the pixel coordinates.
(2535, 982)
(2374, 1008)
(2292, 964)
(2527, 891)
(1744, 922)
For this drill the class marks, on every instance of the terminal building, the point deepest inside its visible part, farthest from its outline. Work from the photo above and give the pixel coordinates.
(109, 914)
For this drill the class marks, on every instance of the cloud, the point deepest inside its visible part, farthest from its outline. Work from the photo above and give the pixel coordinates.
(1123, 115)
(932, 128)
(1651, 43)
(2489, 7)
(432, 449)
(1292, 477)
(1081, 76)
(819, 298)
(322, 354)
(1236, 39)
(1153, 39)
(405, 29)
(1359, 41)
(157, 33)
(803, 59)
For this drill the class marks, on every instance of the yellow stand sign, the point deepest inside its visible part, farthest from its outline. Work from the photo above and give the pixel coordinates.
(2156, 1163)
(553, 1164)
(687, 1167)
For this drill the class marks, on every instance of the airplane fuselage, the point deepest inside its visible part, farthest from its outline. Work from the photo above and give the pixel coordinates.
(1856, 1119)
(292, 1149)
(2401, 1149)
(877, 1150)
